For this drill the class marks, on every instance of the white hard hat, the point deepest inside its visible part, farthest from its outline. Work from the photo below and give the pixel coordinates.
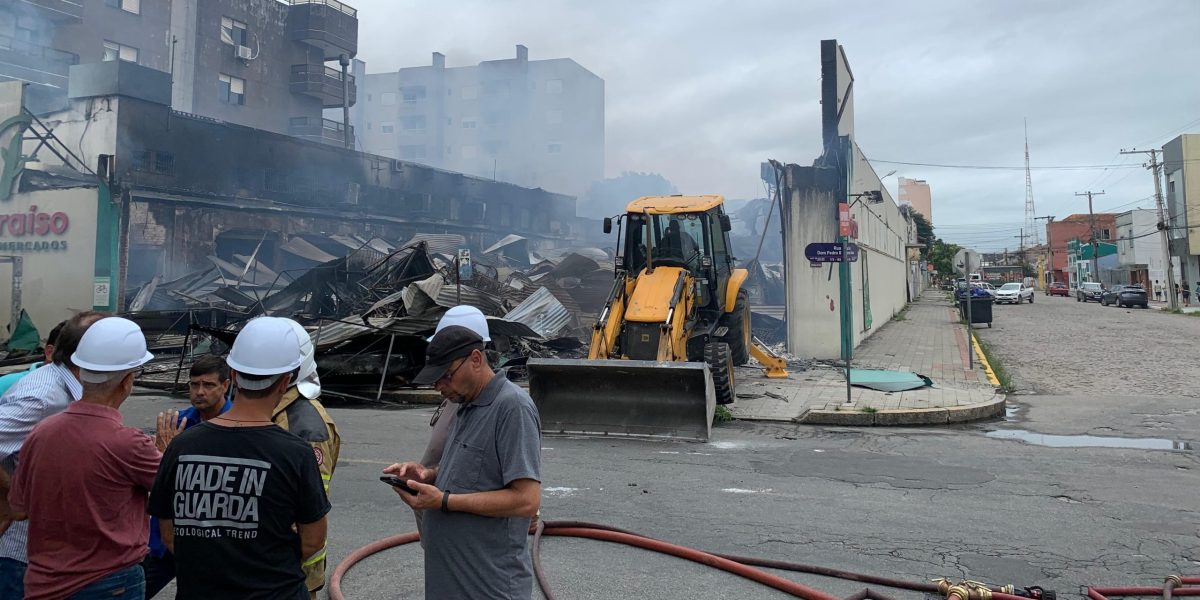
(465, 315)
(265, 346)
(307, 381)
(110, 345)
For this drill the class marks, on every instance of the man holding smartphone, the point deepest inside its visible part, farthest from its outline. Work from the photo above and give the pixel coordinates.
(479, 501)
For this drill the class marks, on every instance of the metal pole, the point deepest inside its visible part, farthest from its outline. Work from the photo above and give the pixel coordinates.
(344, 60)
(18, 271)
(457, 282)
(844, 271)
(387, 359)
(1092, 225)
(970, 330)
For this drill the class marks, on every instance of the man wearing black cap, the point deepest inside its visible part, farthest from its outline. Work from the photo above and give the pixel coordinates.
(479, 501)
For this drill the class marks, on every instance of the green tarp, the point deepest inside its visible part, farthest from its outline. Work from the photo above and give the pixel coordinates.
(888, 381)
(25, 336)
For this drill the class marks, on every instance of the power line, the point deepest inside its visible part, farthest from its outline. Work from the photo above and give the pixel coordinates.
(1005, 168)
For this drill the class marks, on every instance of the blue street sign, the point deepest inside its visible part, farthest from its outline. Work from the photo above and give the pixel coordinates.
(825, 252)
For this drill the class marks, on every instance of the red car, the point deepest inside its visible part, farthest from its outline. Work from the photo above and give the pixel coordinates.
(1058, 288)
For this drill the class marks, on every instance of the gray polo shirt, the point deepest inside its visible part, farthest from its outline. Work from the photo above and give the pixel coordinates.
(495, 440)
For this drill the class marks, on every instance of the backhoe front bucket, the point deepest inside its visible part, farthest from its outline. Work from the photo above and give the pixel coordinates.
(636, 398)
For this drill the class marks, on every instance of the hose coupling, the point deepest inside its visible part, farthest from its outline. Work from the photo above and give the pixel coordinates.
(943, 585)
(958, 592)
(1173, 581)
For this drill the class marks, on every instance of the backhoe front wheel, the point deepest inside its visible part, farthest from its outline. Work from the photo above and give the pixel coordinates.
(738, 337)
(720, 364)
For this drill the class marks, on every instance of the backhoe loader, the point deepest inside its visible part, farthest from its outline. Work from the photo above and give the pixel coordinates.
(675, 324)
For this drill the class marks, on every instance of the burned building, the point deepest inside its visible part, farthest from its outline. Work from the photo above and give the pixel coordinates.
(177, 192)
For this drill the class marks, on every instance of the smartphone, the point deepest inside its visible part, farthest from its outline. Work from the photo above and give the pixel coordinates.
(394, 481)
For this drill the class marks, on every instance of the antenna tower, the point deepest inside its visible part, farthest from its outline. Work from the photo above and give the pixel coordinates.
(1029, 212)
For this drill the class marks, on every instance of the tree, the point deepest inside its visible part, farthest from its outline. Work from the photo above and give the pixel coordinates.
(924, 233)
(610, 196)
(941, 256)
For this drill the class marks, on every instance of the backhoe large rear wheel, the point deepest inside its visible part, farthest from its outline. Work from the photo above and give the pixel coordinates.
(738, 336)
(720, 363)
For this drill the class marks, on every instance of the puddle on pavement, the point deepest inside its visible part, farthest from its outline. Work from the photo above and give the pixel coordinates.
(1088, 441)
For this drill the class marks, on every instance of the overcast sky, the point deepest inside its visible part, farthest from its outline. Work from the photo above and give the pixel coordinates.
(702, 91)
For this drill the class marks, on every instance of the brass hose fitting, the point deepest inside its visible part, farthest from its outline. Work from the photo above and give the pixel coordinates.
(958, 592)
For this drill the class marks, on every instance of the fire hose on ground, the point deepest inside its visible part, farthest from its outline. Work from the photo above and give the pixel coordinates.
(751, 568)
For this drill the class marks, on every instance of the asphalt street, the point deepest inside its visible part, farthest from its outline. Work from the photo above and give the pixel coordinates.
(915, 503)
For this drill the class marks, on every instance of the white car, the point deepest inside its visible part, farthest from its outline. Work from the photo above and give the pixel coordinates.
(1014, 293)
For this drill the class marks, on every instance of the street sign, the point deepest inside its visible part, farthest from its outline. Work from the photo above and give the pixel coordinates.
(844, 219)
(966, 261)
(825, 252)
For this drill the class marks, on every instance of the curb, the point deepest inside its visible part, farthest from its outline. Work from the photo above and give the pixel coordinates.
(902, 417)
(987, 367)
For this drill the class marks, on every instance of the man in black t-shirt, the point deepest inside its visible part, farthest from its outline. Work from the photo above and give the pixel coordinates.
(240, 501)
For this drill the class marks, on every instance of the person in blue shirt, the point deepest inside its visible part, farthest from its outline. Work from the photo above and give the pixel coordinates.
(7, 381)
(208, 392)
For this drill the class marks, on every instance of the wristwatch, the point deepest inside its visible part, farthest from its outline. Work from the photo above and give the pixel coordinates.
(446, 501)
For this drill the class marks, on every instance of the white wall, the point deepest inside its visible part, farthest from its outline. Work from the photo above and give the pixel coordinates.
(58, 270)
(879, 278)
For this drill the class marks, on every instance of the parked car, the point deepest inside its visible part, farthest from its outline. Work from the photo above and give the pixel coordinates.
(1058, 288)
(1125, 295)
(1014, 293)
(1089, 291)
(987, 287)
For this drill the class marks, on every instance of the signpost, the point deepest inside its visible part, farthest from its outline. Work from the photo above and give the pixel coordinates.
(964, 260)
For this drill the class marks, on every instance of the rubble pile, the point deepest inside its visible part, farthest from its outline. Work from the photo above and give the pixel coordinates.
(370, 305)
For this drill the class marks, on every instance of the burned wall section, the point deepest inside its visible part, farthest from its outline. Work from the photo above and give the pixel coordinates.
(199, 181)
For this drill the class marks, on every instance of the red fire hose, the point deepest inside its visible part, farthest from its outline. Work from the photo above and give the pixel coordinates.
(742, 566)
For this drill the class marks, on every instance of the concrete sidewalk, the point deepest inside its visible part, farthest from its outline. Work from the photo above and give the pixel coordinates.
(928, 340)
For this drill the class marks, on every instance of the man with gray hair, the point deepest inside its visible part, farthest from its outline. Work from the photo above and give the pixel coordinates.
(84, 478)
(45, 392)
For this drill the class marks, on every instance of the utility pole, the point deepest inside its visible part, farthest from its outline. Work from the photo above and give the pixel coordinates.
(1022, 251)
(1049, 248)
(1095, 242)
(1163, 224)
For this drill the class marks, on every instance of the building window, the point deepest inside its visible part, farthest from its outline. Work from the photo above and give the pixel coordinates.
(114, 51)
(553, 117)
(470, 92)
(554, 148)
(130, 6)
(497, 87)
(412, 152)
(26, 28)
(554, 86)
(233, 89)
(1104, 234)
(413, 93)
(468, 124)
(387, 98)
(233, 32)
(387, 127)
(413, 125)
(469, 151)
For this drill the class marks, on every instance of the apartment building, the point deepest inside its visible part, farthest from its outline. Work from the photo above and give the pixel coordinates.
(267, 64)
(536, 123)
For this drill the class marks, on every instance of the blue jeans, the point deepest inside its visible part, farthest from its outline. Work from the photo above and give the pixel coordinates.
(12, 579)
(128, 583)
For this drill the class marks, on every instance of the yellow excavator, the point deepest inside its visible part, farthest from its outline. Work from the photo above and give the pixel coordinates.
(675, 324)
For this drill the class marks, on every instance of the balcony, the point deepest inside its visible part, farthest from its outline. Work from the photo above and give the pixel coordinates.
(58, 11)
(326, 24)
(34, 63)
(320, 81)
(320, 130)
